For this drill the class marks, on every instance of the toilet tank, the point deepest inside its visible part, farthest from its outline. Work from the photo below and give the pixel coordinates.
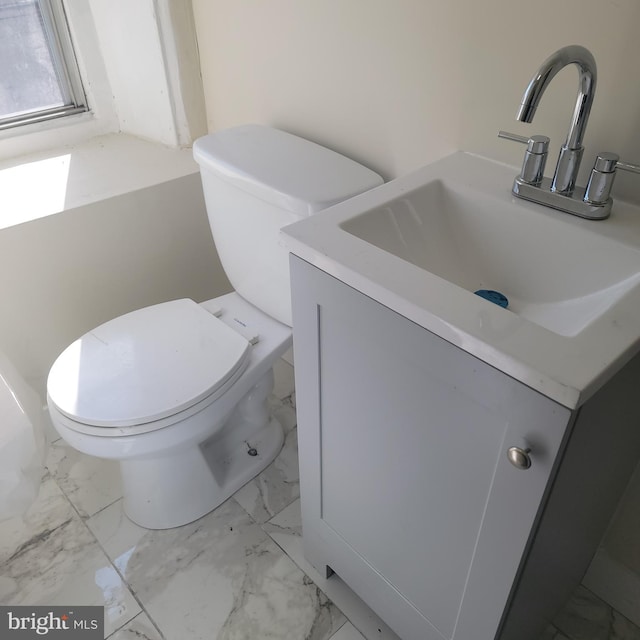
(256, 180)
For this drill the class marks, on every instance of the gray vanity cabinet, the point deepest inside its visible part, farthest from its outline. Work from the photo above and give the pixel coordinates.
(407, 490)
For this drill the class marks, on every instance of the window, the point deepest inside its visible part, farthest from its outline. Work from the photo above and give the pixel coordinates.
(39, 77)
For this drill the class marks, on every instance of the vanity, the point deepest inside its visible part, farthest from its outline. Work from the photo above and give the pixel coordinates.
(460, 461)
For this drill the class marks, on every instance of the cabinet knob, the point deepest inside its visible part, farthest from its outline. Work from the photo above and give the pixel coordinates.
(519, 457)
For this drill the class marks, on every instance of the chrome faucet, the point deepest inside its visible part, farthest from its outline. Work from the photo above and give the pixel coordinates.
(594, 201)
(564, 179)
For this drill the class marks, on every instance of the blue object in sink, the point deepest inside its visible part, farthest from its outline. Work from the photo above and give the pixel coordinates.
(493, 296)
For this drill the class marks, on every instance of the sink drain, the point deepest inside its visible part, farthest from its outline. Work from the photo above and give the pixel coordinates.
(493, 296)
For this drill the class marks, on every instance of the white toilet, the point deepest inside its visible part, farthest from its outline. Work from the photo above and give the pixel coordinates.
(177, 392)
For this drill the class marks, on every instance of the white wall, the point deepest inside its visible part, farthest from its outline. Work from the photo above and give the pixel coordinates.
(151, 59)
(64, 274)
(113, 223)
(399, 84)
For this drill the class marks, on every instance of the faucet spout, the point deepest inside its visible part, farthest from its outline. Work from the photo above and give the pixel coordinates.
(571, 152)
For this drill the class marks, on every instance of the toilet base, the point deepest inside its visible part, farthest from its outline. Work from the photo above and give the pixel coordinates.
(170, 491)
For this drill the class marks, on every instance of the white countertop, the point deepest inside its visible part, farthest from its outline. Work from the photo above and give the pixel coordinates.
(565, 368)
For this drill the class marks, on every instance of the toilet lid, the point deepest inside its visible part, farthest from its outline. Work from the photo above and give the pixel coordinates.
(146, 365)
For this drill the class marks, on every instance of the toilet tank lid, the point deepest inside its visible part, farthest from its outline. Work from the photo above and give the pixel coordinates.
(290, 172)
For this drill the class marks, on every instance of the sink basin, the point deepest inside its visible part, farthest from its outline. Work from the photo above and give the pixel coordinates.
(553, 274)
(423, 243)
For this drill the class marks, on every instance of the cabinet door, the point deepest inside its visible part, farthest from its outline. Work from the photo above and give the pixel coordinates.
(407, 491)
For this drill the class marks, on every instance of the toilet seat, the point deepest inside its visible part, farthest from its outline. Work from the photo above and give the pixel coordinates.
(133, 372)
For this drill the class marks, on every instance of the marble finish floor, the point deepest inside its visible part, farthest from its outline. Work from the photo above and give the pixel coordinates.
(587, 617)
(223, 577)
(238, 573)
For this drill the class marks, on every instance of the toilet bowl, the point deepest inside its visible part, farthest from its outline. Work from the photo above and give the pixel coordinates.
(180, 456)
(177, 392)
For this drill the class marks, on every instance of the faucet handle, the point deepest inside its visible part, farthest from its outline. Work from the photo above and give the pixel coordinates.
(627, 166)
(535, 157)
(535, 144)
(602, 176)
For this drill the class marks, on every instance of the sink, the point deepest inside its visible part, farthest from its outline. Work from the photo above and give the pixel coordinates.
(553, 274)
(422, 244)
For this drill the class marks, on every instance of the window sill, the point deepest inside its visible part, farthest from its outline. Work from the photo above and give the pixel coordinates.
(46, 183)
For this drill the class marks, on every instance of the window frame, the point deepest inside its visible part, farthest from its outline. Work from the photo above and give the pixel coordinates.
(57, 32)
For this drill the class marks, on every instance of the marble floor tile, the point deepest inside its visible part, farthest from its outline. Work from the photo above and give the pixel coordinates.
(117, 535)
(276, 487)
(586, 617)
(90, 483)
(220, 577)
(551, 633)
(614, 583)
(284, 410)
(284, 379)
(50, 511)
(140, 628)
(286, 530)
(347, 632)
(236, 574)
(49, 557)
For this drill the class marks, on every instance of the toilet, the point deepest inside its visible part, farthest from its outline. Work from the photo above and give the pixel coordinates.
(177, 392)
